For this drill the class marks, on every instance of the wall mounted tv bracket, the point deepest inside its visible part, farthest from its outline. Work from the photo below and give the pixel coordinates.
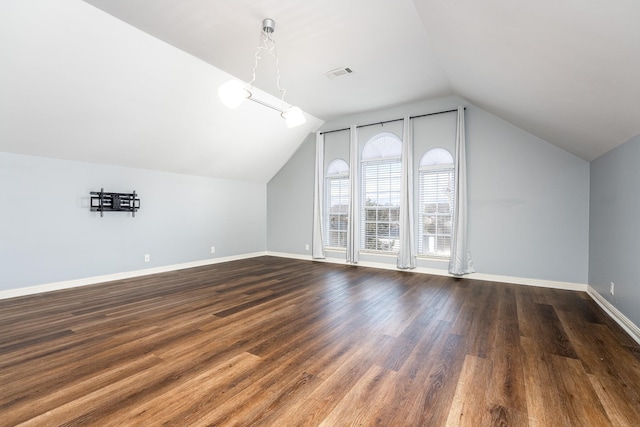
(114, 202)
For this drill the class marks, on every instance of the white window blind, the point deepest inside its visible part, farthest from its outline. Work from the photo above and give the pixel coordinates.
(435, 203)
(337, 204)
(380, 210)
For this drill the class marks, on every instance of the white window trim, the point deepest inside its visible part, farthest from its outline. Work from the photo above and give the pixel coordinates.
(430, 168)
(362, 219)
(329, 177)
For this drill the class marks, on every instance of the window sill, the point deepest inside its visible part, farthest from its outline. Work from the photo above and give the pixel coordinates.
(335, 249)
(432, 258)
(379, 253)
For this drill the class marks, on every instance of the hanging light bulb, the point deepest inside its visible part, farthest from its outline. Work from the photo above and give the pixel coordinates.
(293, 117)
(233, 93)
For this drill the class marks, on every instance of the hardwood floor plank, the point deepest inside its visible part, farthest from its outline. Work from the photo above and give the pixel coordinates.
(364, 399)
(547, 399)
(317, 406)
(551, 334)
(278, 411)
(507, 381)
(194, 396)
(28, 342)
(484, 324)
(434, 377)
(24, 409)
(584, 401)
(619, 414)
(398, 351)
(474, 380)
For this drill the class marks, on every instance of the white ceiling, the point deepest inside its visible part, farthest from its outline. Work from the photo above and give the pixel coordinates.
(75, 83)
(382, 41)
(567, 71)
(78, 84)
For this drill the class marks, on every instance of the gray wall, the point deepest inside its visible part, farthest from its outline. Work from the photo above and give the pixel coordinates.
(614, 229)
(48, 233)
(528, 203)
(528, 200)
(289, 204)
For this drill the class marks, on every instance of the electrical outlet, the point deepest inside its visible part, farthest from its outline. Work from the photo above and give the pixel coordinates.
(147, 257)
(213, 249)
(306, 247)
(612, 289)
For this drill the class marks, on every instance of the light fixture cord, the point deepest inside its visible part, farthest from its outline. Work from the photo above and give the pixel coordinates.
(266, 37)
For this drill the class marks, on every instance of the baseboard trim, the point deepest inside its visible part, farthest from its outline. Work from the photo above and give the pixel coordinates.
(48, 287)
(569, 286)
(622, 320)
(438, 272)
(56, 286)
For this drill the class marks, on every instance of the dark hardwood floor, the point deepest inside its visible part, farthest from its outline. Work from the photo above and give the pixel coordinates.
(278, 342)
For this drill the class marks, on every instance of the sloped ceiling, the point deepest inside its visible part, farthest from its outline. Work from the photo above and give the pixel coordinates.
(78, 83)
(564, 71)
(383, 42)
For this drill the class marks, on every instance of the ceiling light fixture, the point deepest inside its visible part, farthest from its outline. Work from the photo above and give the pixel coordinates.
(234, 92)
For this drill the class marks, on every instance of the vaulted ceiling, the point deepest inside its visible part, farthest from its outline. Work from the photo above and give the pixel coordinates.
(568, 72)
(80, 84)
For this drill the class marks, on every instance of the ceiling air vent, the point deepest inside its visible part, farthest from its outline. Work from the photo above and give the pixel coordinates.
(338, 72)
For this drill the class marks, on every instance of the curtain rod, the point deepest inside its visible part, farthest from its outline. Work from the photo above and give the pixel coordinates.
(391, 121)
(433, 114)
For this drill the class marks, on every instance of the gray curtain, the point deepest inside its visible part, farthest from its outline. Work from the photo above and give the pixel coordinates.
(407, 251)
(460, 262)
(353, 230)
(317, 239)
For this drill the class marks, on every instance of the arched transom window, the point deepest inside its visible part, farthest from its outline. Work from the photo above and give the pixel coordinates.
(435, 203)
(337, 204)
(380, 197)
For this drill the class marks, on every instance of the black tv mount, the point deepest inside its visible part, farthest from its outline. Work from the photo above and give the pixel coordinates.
(114, 202)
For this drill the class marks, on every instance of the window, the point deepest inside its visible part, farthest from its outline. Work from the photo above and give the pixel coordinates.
(380, 210)
(435, 203)
(337, 204)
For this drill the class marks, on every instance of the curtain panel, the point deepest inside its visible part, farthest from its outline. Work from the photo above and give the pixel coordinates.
(353, 229)
(317, 239)
(460, 262)
(407, 250)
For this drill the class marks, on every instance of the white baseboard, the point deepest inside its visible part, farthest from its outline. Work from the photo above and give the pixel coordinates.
(441, 272)
(293, 256)
(48, 287)
(622, 320)
(541, 283)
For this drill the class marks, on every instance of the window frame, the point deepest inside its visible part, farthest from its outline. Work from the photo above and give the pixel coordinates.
(386, 216)
(342, 177)
(443, 220)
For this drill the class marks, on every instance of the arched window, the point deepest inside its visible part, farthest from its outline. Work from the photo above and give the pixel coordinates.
(435, 203)
(380, 196)
(337, 204)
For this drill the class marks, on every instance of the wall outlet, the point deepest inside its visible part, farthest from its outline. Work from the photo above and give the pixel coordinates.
(306, 247)
(147, 257)
(213, 249)
(612, 288)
